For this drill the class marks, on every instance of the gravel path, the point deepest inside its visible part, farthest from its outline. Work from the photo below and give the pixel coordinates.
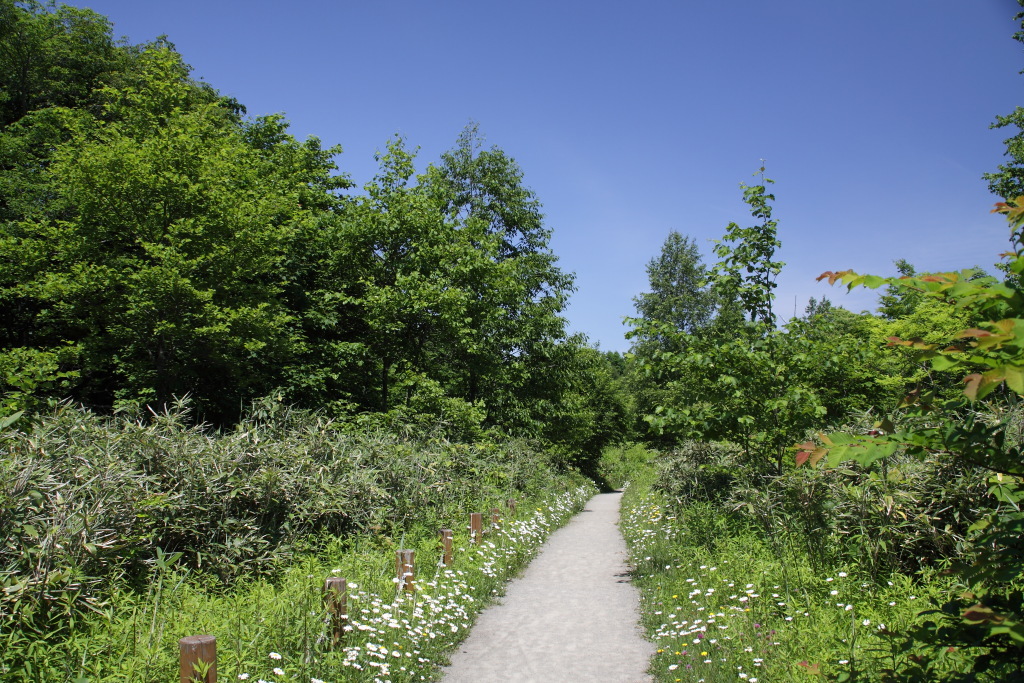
(571, 617)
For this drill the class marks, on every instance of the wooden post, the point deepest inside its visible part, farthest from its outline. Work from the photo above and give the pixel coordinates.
(511, 505)
(405, 568)
(336, 599)
(198, 652)
(476, 527)
(495, 518)
(446, 546)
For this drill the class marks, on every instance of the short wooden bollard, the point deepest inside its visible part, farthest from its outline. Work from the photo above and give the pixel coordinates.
(197, 653)
(495, 518)
(405, 568)
(476, 527)
(511, 505)
(336, 599)
(446, 546)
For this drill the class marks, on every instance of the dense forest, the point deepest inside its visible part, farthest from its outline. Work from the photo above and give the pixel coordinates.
(225, 369)
(158, 244)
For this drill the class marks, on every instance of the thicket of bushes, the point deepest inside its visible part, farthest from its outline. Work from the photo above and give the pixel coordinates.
(87, 502)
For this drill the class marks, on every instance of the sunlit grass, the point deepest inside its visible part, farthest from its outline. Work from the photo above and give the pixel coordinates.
(721, 602)
(279, 631)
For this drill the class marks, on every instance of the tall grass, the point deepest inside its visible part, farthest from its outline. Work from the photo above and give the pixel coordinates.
(279, 630)
(822, 574)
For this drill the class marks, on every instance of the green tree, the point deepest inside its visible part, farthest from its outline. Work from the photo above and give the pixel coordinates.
(840, 357)
(679, 294)
(515, 290)
(1008, 181)
(54, 57)
(896, 302)
(987, 618)
(740, 380)
(408, 301)
(594, 408)
(158, 257)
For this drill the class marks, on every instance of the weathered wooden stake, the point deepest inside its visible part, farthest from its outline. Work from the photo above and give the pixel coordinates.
(196, 653)
(446, 546)
(476, 527)
(336, 599)
(495, 518)
(511, 505)
(405, 568)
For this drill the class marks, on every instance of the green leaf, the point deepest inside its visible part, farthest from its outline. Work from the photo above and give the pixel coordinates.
(1014, 375)
(6, 422)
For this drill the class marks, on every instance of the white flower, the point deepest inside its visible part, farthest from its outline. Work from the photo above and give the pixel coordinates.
(274, 655)
(278, 671)
(867, 622)
(243, 677)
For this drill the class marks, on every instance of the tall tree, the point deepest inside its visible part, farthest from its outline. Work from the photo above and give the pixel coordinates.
(53, 57)
(517, 290)
(158, 255)
(1008, 181)
(680, 294)
(741, 380)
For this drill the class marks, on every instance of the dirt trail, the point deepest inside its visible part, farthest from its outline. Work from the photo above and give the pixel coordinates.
(571, 617)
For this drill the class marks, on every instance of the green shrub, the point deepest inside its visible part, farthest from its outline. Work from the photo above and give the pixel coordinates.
(619, 464)
(699, 471)
(88, 502)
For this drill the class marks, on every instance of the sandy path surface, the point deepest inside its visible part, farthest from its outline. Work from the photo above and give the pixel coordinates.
(572, 616)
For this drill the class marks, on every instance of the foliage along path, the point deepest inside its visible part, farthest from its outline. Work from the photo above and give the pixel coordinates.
(572, 616)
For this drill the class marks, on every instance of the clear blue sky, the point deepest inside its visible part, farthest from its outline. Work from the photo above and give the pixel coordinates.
(633, 119)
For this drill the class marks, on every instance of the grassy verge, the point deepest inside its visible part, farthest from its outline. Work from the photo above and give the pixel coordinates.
(724, 602)
(279, 631)
(121, 536)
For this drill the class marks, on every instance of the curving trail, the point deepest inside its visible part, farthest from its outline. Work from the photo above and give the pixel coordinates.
(571, 617)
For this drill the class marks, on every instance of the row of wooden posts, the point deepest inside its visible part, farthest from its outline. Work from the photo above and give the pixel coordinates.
(199, 653)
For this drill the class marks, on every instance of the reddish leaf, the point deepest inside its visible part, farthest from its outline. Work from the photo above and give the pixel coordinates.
(801, 458)
(833, 276)
(1006, 325)
(973, 332)
(811, 668)
(973, 382)
(981, 614)
(817, 455)
(1013, 209)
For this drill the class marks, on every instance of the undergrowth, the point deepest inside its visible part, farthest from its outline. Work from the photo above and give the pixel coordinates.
(727, 596)
(122, 534)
